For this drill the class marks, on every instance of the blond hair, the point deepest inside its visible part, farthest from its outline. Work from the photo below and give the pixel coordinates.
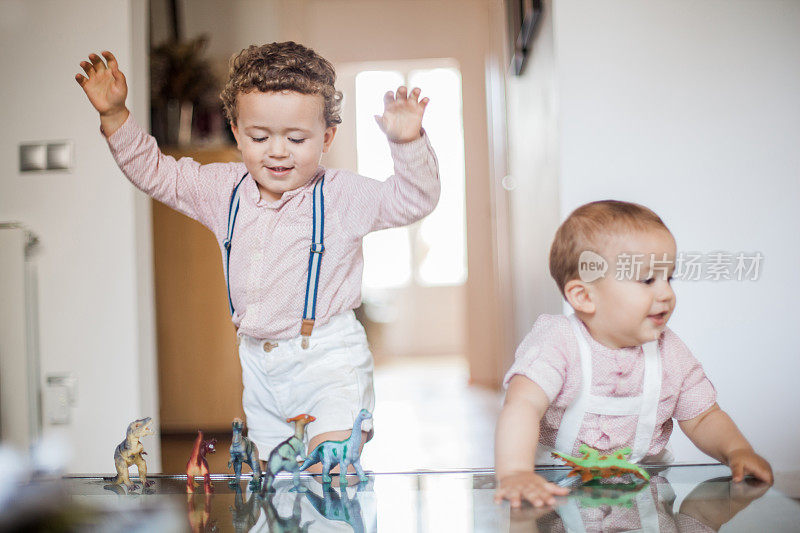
(588, 226)
(285, 66)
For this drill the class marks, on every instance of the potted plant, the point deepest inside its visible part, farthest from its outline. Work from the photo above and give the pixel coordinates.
(180, 80)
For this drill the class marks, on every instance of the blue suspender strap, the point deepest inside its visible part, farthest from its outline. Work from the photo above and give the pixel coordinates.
(314, 260)
(233, 210)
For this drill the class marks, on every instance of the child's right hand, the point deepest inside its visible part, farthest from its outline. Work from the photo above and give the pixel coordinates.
(517, 486)
(106, 89)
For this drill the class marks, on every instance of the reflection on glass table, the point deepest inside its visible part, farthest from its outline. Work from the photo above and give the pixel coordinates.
(678, 498)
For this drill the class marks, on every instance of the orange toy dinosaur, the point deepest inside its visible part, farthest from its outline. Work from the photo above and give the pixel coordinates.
(197, 465)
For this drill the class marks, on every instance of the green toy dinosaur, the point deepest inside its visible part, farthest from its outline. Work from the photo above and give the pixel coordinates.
(285, 454)
(342, 452)
(595, 464)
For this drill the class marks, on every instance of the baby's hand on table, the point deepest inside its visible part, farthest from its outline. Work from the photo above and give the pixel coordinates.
(402, 115)
(743, 462)
(106, 88)
(517, 486)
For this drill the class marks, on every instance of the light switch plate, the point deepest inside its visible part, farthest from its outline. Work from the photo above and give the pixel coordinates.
(32, 157)
(59, 155)
(60, 395)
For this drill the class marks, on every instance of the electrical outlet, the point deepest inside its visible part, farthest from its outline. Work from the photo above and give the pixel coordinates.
(32, 157)
(59, 155)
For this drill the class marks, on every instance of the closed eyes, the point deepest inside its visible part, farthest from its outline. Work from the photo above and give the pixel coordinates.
(263, 139)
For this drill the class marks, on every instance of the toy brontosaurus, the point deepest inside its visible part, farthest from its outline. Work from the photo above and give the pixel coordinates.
(198, 465)
(130, 451)
(595, 464)
(284, 456)
(342, 452)
(243, 451)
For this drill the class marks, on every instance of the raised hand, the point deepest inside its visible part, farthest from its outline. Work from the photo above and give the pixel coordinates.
(402, 115)
(106, 89)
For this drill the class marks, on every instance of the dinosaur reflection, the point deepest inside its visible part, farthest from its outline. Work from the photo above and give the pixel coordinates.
(244, 512)
(310, 502)
(339, 508)
(278, 524)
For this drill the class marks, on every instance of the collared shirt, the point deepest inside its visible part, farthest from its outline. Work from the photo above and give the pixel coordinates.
(549, 356)
(271, 240)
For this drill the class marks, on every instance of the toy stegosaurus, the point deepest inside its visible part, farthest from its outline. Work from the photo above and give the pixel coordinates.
(594, 464)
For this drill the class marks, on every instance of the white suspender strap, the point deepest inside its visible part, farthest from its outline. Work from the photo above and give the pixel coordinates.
(314, 260)
(645, 406)
(573, 416)
(651, 392)
(233, 210)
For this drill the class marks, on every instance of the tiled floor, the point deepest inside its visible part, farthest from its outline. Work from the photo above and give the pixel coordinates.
(426, 418)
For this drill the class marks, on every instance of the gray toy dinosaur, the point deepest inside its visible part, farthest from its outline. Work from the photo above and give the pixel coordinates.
(342, 452)
(243, 451)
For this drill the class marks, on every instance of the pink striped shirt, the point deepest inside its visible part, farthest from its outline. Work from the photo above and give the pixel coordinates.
(270, 248)
(549, 356)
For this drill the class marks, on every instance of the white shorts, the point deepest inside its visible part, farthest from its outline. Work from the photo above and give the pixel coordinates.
(331, 380)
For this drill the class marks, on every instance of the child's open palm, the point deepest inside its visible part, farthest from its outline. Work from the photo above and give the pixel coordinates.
(402, 115)
(105, 85)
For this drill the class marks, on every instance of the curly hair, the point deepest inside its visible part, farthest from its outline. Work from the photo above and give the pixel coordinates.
(285, 66)
(589, 226)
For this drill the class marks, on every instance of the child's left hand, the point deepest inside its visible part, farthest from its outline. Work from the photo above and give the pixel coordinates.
(743, 462)
(402, 115)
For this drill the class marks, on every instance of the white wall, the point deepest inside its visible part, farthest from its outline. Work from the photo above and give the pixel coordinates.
(533, 139)
(691, 108)
(94, 266)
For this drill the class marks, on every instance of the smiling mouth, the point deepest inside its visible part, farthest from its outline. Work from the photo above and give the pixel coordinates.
(658, 318)
(280, 169)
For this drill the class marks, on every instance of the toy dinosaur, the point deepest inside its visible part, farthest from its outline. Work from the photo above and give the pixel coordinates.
(342, 452)
(338, 508)
(198, 465)
(284, 455)
(243, 451)
(595, 464)
(130, 452)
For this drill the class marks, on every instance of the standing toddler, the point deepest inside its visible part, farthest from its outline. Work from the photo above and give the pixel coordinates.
(289, 230)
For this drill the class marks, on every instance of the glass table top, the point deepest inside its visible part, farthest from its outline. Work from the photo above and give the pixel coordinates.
(678, 498)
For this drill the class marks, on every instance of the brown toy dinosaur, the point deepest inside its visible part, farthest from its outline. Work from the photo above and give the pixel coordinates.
(130, 451)
(197, 465)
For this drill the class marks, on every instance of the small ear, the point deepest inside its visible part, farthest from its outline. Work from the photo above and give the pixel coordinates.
(327, 139)
(579, 296)
(235, 131)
